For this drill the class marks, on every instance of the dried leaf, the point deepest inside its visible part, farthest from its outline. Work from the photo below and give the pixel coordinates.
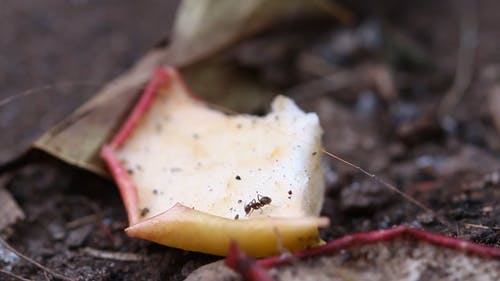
(202, 29)
(79, 137)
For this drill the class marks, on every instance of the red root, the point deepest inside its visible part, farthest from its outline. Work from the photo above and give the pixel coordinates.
(384, 235)
(247, 267)
(255, 270)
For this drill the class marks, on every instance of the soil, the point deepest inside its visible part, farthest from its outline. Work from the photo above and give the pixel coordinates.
(380, 111)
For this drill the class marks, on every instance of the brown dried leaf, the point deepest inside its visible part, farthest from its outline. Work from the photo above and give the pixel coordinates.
(202, 29)
(205, 27)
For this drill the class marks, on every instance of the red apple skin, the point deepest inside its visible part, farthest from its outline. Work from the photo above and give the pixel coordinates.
(126, 186)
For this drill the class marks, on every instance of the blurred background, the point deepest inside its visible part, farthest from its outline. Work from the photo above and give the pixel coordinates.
(408, 90)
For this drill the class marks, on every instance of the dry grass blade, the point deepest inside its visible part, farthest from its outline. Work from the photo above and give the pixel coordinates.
(473, 225)
(336, 10)
(33, 262)
(45, 88)
(391, 187)
(466, 56)
(14, 276)
(82, 221)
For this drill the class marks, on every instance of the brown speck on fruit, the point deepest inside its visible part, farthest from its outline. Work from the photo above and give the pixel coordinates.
(158, 128)
(175, 169)
(138, 167)
(130, 171)
(289, 192)
(144, 212)
(239, 126)
(196, 136)
(236, 217)
(155, 191)
(276, 118)
(314, 153)
(238, 177)
(239, 201)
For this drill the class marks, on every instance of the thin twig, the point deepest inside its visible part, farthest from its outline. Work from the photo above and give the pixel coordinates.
(33, 262)
(82, 221)
(118, 256)
(481, 226)
(467, 52)
(391, 187)
(46, 275)
(10, 274)
(321, 86)
(44, 88)
(335, 9)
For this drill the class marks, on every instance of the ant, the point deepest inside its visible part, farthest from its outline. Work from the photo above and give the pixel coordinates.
(257, 204)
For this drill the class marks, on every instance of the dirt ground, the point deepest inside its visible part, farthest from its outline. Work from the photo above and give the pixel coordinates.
(376, 86)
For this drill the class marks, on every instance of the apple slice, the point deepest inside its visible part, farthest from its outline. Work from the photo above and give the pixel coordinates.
(195, 178)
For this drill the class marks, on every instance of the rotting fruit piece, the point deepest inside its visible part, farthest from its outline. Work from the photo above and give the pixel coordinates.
(195, 178)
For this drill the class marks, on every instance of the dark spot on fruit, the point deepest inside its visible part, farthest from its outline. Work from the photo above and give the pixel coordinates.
(144, 212)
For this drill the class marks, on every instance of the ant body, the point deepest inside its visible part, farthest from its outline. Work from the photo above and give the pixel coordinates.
(257, 204)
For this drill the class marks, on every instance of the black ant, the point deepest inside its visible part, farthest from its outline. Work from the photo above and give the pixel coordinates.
(257, 204)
